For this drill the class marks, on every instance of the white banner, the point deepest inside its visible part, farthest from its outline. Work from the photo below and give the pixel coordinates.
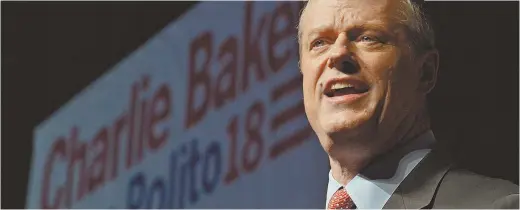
(207, 114)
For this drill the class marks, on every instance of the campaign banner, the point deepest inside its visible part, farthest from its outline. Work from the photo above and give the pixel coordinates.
(208, 113)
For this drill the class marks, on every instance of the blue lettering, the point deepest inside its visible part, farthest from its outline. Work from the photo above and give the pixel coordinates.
(157, 188)
(137, 185)
(193, 162)
(182, 179)
(173, 169)
(184, 176)
(213, 158)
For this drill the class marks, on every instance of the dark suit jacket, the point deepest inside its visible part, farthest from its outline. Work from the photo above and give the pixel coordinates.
(436, 183)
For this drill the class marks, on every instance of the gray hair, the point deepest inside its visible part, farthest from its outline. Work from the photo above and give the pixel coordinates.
(420, 30)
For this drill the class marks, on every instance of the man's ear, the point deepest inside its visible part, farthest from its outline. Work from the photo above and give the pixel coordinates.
(429, 65)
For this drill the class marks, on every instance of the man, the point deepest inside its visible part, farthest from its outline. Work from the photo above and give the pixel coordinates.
(367, 67)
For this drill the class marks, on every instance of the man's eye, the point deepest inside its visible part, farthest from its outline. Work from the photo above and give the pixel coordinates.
(317, 43)
(367, 39)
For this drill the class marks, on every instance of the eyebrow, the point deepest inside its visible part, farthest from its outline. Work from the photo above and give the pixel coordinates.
(319, 30)
(364, 26)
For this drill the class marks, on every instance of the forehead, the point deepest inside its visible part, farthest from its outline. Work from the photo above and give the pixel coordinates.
(342, 13)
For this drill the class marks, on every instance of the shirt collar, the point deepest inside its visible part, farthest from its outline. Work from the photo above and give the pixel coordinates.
(372, 188)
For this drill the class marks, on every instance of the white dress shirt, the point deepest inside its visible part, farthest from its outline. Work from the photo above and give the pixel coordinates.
(372, 188)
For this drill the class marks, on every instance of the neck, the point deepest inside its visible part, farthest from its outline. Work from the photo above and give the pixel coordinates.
(348, 161)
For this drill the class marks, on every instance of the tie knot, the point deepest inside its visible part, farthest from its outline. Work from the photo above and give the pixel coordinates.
(341, 200)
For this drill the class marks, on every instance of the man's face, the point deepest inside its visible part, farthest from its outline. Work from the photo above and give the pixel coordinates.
(360, 79)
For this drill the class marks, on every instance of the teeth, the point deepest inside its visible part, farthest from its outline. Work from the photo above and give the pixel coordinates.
(341, 85)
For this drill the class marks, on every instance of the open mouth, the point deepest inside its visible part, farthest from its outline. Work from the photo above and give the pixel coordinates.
(345, 87)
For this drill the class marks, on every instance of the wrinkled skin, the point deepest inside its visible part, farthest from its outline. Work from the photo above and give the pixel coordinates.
(364, 40)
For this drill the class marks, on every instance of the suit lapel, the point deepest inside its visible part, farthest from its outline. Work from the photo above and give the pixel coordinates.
(418, 189)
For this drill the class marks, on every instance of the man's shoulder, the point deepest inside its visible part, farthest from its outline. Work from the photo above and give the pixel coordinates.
(467, 180)
(470, 190)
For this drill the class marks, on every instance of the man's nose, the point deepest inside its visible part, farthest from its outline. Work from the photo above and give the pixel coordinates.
(340, 56)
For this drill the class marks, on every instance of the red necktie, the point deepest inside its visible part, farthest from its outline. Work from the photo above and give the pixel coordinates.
(341, 200)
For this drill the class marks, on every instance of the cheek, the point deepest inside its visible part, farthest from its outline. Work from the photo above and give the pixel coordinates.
(381, 64)
(383, 70)
(310, 101)
(395, 90)
(311, 74)
(309, 92)
(379, 68)
(308, 84)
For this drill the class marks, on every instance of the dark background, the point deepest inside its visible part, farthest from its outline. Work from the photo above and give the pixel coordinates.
(51, 51)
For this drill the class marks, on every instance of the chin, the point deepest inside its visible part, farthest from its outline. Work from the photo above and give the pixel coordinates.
(340, 127)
